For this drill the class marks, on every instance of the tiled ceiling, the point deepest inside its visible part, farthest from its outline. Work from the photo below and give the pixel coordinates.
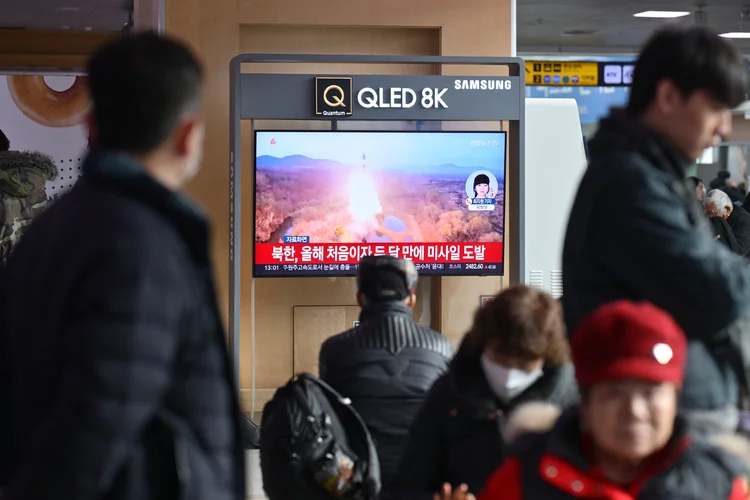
(544, 22)
(94, 15)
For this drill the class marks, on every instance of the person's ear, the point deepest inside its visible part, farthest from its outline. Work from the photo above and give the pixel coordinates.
(411, 300)
(92, 134)
(188, 136)
(668, 97)
(360, 299)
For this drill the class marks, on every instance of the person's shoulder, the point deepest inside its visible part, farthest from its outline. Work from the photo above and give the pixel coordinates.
(713, 462)
(335, 341)
(434, 340)
(122, 217)
(563, 386)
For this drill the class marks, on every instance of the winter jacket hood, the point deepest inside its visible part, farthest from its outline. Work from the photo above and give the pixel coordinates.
(17, 169)
(23, 175)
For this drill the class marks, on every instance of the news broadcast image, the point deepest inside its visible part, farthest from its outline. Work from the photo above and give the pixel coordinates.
(323, 200)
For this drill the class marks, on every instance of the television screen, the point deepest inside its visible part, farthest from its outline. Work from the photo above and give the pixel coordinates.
(325, 199)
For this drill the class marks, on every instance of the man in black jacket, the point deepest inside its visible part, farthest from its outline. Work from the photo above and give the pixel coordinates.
(635, 231)
(388, 363)
(115, 381)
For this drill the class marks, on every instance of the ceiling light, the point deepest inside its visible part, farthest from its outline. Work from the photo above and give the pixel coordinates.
(736, 34)
(87, 28)
(662, 14)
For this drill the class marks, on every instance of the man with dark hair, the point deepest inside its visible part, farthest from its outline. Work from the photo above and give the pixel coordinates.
(4, 142)
(387, 364)
(635, 231)
(697, 184)
(115, 377)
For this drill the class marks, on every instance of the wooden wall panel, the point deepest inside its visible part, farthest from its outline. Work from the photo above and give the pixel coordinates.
(49, 49)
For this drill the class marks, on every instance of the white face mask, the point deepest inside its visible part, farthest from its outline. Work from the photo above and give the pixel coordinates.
(507, 383)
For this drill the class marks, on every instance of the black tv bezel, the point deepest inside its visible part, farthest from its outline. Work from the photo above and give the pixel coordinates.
(353, 273)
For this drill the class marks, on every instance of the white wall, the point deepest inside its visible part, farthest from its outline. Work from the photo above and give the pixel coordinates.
(554, 163)
(66, 144)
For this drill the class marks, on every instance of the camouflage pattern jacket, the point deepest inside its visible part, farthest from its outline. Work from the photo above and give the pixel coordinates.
(23, 175)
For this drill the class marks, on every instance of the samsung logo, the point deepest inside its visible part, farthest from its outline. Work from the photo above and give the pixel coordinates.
(482, 84)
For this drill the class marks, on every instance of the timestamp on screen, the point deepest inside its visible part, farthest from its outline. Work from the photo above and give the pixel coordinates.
(271, 267)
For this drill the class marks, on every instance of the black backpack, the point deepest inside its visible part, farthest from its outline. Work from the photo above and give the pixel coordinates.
(313, 445)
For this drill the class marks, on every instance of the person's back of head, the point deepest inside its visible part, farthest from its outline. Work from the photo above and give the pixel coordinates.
(685, 83)
(146, 91)
(4, 142)
(718, 204)
(385, 279)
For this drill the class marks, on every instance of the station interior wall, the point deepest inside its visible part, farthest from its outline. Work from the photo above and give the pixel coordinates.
(294, 315)
(221, 29)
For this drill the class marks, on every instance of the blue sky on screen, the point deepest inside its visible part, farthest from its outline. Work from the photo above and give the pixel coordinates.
(390, 149)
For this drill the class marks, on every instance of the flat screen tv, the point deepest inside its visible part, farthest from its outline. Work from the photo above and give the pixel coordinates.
(325, 199)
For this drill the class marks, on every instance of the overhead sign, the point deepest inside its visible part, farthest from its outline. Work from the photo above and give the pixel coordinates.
(397, 97)
(579, 73)
(381, 97)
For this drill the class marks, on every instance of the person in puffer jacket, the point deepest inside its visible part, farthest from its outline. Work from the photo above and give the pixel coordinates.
(23, 175)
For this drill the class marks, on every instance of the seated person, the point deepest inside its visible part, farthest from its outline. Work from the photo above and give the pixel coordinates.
(624, 440)
(718, 204)
(516, 352)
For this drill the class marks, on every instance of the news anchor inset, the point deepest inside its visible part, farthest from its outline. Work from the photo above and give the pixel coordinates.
(481, 188)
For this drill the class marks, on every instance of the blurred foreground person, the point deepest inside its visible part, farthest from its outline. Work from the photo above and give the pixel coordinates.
(635, 231)
(115, 378)
(23, 175)
(625, 440)
(515, 353)
(387, 364)
(718, 206)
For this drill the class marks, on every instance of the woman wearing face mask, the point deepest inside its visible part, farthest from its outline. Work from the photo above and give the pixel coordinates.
(516, 352)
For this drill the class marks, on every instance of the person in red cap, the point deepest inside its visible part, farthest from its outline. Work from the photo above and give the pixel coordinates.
(624, 441)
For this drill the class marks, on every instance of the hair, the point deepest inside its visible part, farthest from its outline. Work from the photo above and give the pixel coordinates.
(694, 181)
(693, 58)
(718, 198)
(523, 323)
(480, 179)
(141, 86)
(4, 142)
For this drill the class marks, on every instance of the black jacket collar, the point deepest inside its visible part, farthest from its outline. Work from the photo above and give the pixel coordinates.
(378, 309)
(622, 131)
(122, 174)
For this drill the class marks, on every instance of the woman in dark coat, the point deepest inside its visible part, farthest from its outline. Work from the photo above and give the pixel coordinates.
(516, 352)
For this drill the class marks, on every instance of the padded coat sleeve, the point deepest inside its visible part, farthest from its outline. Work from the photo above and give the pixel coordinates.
(419, 473)
(121, 342)
(644, 238)
(742, 234)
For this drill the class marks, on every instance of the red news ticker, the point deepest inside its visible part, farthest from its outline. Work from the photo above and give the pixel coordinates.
(351, 253)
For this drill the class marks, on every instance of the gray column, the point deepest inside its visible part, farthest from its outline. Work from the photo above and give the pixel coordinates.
(149, 15)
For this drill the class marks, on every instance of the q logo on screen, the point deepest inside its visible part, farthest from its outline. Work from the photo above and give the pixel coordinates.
(333, 95)
(334, 101)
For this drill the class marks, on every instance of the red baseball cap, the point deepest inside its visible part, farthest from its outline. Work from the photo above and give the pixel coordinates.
(628, 340)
